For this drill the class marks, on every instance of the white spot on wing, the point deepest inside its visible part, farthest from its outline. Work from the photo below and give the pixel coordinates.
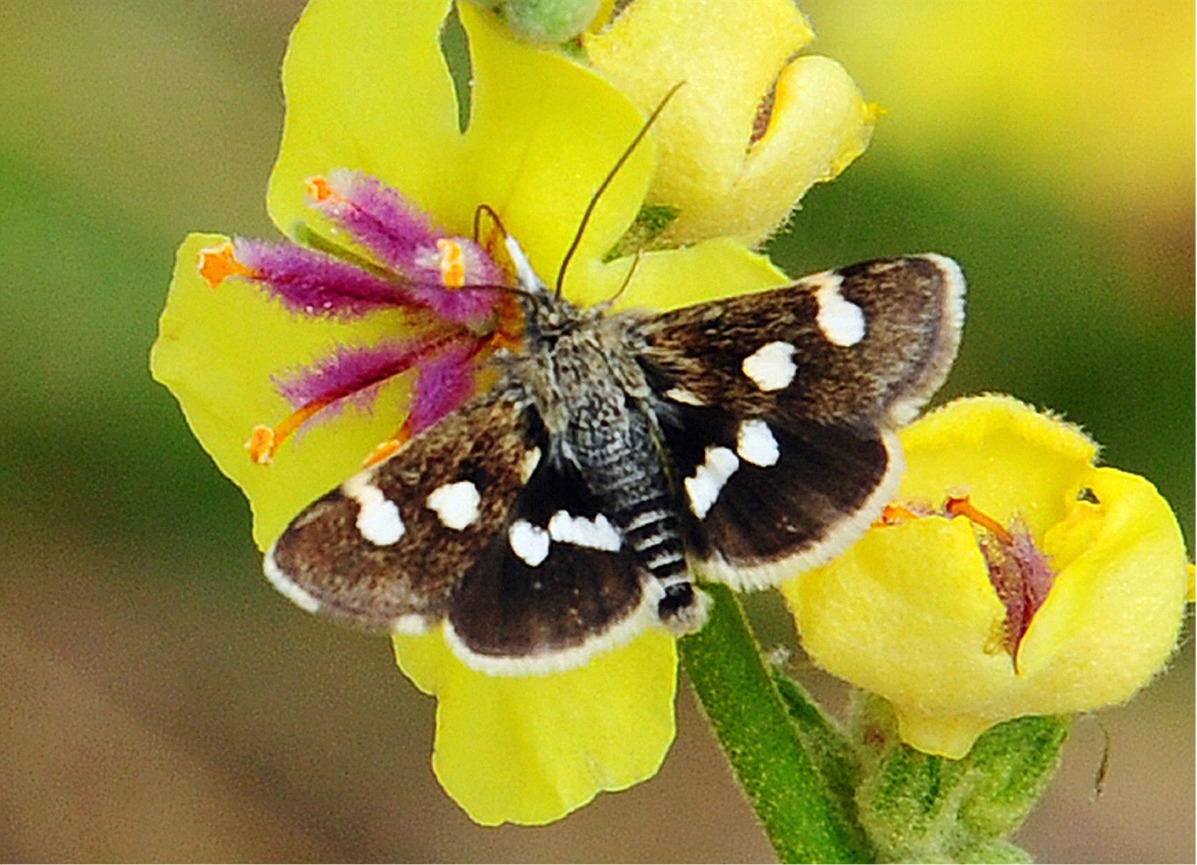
(531, 461)
(597, 534)
(709, 478)
(529, 542)
(837, 537)
(755, 443)
(771, 367)
(455, 504)
(840, 320)
(686, 397)
(378, 517)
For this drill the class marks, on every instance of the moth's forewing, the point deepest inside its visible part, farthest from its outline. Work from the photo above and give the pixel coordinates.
(778, 409)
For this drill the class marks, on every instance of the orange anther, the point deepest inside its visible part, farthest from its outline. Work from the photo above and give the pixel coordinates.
(960, 506)
(384, 451)
(894, 514)
(217, 263)
(502, 339)
(319, 189)
(509, 327)
(261, 445)
(265, 441)
(452, 266)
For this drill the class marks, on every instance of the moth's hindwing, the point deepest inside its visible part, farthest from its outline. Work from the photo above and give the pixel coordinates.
(555, 587)
(778, 409)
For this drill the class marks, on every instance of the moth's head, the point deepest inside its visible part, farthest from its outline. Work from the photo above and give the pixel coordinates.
(546, 315)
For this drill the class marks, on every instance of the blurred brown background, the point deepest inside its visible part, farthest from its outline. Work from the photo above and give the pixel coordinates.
(160, 702)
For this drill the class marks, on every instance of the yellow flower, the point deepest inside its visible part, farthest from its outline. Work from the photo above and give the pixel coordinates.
(752, 128)
(1012, 577)
(369, 99)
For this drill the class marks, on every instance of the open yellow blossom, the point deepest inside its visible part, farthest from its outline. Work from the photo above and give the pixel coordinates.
(752, 128)
(1012, 578)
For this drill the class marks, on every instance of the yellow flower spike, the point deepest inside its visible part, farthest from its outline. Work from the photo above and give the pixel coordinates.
(910, 613)
(725, 178)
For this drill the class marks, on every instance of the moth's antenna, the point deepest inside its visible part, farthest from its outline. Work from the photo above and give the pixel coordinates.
(518, 291)
(627, 280)
(598, 193)
(489, 211)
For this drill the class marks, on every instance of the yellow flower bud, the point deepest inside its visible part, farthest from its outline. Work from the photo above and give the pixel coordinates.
(752, 128)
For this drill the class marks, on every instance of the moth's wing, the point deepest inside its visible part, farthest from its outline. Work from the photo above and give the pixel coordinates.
(778, 409)
(387, 549)
(555, 587)
(474, 523)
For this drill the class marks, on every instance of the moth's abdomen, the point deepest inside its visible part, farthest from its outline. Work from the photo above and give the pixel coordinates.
(622, 465)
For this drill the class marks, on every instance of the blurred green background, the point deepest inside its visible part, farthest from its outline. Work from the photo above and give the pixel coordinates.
(161, 702)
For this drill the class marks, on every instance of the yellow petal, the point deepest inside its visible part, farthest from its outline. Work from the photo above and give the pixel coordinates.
(367, 88)
(1112, 618)
(545, 133)
(707, 271)
(820, 124)
(216, 351)
(943, 735)
(727, 53)
(531, 749)
(908, 613)
(1011, 460)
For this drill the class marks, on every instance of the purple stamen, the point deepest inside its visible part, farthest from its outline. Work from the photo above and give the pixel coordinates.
(443, 383)
(1021, 577)
(396, 232)
(313, 283)
(353, 374)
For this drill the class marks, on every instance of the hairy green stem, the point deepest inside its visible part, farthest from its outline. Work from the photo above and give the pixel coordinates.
(802, 817)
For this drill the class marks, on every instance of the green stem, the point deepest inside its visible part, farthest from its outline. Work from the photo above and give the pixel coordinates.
(795, 805)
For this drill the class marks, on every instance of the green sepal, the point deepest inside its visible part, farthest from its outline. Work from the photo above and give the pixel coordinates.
(827, 745)
(920, 807)
(650, 222)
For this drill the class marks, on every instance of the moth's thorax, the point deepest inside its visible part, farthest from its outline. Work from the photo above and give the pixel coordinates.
(577, 366)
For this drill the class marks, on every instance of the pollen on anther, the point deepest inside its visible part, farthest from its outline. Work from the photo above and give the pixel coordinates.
(217, 263)
(894, 513)
(384, 451)
(452, 265)
(261, 445)
(319, 189)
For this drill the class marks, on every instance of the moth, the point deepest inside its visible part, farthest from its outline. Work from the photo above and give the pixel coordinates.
(622, 457)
